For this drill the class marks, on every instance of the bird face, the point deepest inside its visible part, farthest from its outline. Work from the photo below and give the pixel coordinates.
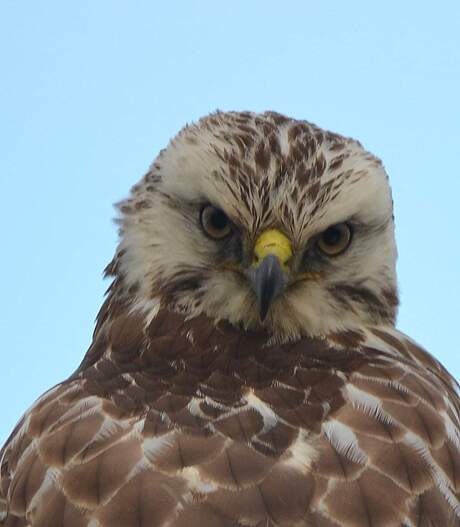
(265, 222)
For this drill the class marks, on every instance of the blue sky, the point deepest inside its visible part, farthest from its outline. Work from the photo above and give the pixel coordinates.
(90, 91)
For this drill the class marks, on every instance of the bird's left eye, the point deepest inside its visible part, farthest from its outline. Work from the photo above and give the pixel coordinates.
(215, 222)
(334, 240)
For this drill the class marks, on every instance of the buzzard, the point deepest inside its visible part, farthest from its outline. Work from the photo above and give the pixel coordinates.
(245, 369)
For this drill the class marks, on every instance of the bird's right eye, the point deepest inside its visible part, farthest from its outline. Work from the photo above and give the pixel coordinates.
(215, 223)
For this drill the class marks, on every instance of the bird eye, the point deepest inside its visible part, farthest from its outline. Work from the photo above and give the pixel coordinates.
(215, 222)
(335, 239)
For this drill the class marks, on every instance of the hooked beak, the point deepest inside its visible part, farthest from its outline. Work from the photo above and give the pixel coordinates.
(268, 280)
(268, 273)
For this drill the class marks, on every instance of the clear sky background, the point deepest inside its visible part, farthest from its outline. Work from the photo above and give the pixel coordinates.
(91, 90)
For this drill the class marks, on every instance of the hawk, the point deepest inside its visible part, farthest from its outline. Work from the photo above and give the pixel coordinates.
(245, 369)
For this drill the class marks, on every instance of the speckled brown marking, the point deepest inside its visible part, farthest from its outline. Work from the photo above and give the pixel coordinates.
(352, 295)
(336, 163)
(336, 147)
(142, 204)
(278, 118)
(262, 156)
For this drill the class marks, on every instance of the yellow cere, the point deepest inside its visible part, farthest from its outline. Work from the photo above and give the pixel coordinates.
(274, 242)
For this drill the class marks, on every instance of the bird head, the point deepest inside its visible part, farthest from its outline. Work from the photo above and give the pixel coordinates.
(265, 222)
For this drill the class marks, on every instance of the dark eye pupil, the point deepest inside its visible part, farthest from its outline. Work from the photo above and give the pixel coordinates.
(332, 236)
(219, 220)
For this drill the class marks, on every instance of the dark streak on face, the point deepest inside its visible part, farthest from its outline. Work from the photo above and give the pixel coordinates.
(378, 308)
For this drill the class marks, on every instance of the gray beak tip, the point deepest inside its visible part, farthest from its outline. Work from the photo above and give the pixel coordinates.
(268, 280)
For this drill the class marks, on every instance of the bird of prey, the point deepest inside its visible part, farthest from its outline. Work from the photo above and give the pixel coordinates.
(245, 369)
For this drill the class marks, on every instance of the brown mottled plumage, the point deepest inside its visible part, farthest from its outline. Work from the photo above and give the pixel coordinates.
(190, 409)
